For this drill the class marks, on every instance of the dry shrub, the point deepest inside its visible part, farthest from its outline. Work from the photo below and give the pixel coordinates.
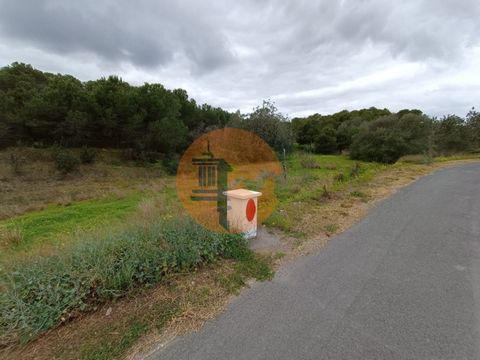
(330, 167)
(150, 209)
(10, 237)
(309, 162)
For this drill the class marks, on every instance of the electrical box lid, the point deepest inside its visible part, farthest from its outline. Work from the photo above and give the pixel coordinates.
(242, 194)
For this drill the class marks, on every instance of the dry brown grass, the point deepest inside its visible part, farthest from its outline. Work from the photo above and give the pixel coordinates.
(344, 209)
(39, 184)
(10, 237)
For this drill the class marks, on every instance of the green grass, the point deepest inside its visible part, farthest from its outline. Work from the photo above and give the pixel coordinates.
(305, 183)
(331, 228)
(57, 221)
(40, 291)
(312, 180)
(105, 349)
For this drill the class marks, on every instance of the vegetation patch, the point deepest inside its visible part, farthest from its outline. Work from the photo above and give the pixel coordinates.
(55, 221)
(44, 291)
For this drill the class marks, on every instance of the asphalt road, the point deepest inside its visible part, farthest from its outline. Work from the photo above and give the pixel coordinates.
(402, 284)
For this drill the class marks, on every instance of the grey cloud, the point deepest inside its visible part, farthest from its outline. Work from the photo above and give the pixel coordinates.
(309, 56)
(116, 31)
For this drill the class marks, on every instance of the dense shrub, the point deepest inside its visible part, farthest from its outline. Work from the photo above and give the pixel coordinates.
(390, 137)
(171, 164)
(65, 161)
(40, 292)
(88, 155)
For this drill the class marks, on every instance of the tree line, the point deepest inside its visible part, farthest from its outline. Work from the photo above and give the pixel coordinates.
(380, 135)
(150, 122)
(44, 109)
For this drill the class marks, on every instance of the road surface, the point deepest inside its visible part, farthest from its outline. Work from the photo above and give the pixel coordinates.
(402, 284)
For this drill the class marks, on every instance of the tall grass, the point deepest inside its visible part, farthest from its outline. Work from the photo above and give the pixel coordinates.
(41, 292)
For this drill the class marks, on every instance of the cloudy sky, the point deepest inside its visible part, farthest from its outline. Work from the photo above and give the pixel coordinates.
(307, 56)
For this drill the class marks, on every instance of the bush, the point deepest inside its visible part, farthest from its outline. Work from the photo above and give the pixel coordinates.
(309, 162)
(171, 164)
(65, 161)
(390, 137)
(356, 170)
(10, 237)
(380, 145)
(88, 155)
(17, 161)
(41, 292)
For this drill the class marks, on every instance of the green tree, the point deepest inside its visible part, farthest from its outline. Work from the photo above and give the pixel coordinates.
(268, 123)
(451, 135)
(473, 125)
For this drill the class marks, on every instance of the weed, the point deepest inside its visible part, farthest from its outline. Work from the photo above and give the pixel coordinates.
(248, 265)
(16, 162)
(340, 177)
(358, 194)
(65, 161)
(355, 171)
(88, 155)
(331, 228)
(279, 220)
(105, 349)
(11, 237)
(163, 312)
(325, 193)
(232, 283)
(309, 162)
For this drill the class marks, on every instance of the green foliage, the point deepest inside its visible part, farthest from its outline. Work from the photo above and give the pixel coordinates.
(325, 141)
(329, 134)
(358, 194)
(378, 135)
(41, 291)
(88, 155)
(451, 135)
(473, 125)
(268, 123)
(388, 138)
(248, 265)
(65, 161)
(38, 107)
(171, 164)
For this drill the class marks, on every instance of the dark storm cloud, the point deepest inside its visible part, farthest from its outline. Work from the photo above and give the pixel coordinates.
(116, 31)
(308, 56)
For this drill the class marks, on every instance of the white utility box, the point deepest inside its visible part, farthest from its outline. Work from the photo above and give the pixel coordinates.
(242, 206)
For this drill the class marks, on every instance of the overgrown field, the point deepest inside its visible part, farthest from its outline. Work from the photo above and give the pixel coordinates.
(65, 259)
(112, 232)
